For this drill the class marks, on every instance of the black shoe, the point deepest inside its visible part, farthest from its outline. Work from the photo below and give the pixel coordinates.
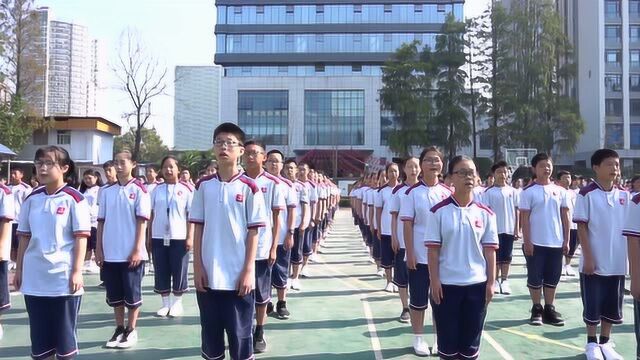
(101, 285)
(259, 343)
(283, 313)
(536, 315)
(551, 316)
(117, 336)
(405, 317)
(269, 308)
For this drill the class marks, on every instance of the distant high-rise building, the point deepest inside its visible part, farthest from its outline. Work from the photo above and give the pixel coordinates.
(196, 108)
(69, 85)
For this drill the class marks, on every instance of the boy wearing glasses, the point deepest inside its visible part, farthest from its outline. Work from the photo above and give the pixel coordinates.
(228, 210)
(545, 231)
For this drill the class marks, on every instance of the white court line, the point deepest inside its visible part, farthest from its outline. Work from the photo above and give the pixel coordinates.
(505, 355)
(373, 335)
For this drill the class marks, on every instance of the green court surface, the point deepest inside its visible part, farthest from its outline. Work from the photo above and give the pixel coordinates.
(341, 313)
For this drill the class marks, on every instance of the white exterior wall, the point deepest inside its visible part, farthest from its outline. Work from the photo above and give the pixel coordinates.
(92, 147)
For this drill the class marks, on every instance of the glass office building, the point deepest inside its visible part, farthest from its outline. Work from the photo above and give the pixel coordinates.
(304, 76)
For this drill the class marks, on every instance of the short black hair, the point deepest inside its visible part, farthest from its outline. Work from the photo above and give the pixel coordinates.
(275, 151)
(635, 178)
(430, 149)
(303, 163)
(539, 157)
(255, 142)
(108, 164)
(62, 157)
(498, 165)
(230, 128)
(153, 167)
(562, 173)
(289, 161)
(456, 160)
(18, 170)
(600, 155)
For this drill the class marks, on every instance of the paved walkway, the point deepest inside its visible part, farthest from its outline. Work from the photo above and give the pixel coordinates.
(341, 313)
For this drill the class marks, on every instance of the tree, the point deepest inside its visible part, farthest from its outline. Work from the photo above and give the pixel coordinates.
(151, 148)
(142, 78)
(196, 161)
(16, 127)
(450, 121)
(406, 92)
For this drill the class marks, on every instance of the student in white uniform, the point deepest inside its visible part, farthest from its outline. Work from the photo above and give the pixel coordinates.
(400, 273)
(363, 196)
(125, 208)
(90, 188)
(228, 210)
(307, 245)
(383, 216)
(274, 200)
(20, 191)
(545, 231)
(287, 224)
(503, 200)
(171, 237)
(414, 212)
(7, 212)
(151, 178)
(600, 212)
(564, 180)
(380, 180)
(462, 239)
(54, 226)
(301, 222)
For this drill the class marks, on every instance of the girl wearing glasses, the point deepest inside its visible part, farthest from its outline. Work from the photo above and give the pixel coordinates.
(54, 226)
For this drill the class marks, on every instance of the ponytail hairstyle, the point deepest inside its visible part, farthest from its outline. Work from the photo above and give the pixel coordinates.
(61, 155)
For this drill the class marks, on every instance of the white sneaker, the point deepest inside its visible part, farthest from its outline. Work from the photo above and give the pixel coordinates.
(163, 312)
(92, 268)
(381, 273)
(176, 309)
(128, 340)
(12, 265)
(395, 288)
(568, 270)
(420, 347)
(295, 284)
(434, 348)
(496, 287)
(371, 260)
(304, 272)
(592, 352)
(609, 352)
(505, 288)
(389, 288)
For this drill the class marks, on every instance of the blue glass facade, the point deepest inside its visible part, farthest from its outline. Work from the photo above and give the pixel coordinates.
(337, 14)
(329, 70)
(334, 117)
(264, 115)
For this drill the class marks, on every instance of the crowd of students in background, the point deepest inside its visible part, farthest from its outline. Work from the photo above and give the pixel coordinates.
(447, 239)
(250, 230)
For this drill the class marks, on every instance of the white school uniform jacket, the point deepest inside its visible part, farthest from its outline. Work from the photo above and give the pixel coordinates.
(291, 202)
(572, 195)
(503, 201)
(303, 199)
(91, 194)
(632, 220)
(461, 233)
(227, 210)
(420, 199)
(52, 222)
(372, 194)
(177, 198)
(397, 196)
(152, 186)
(544, 203)
(383, 201)
(120, 208)
(20, 193)
(7, 212)
(273, 194)
(604, 213)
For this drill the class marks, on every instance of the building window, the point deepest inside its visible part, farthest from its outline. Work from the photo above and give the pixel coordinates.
(388, 8)
(613, 82)
(40, 137)
(613, 33)
(356, 68)
(237, 10)
(417, 8)
(260, 9)
(441, 8)
(613, 107)
(319, 9)
(634, 58)
(388, 121)
(634, 8)
(64, 137)
(289, 9)
(634, 107)
(357, 9)
(264, 115)
(635, 136)
(334, 117)
(634, 82)
(612, 58)
(319, 68)
(612, 9)
(614, 136)
(283, 69)
(634, 33)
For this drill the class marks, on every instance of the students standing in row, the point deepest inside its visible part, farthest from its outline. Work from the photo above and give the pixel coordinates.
(303, 210)
(20, 191)
(7, 212)
(53, 228)
(383, 215)
(90, 189)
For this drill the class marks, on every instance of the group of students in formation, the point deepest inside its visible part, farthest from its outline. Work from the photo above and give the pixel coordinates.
(250, 230)
(451, 244)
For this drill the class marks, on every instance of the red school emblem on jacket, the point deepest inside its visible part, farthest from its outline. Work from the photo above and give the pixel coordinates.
(239, 198)
(264, 189)
(180, 193)
(478, 223)
(60, 210)
(132, 196)
(621, 201)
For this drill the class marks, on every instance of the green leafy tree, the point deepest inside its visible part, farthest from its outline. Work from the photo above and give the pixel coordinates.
(451, 122)
(151, 147)
(16, 127)
(196, 161)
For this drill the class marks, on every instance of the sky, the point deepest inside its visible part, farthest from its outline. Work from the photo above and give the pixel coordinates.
(175, 32)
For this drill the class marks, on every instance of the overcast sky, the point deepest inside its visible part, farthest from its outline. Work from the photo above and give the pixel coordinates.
(176, 32)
